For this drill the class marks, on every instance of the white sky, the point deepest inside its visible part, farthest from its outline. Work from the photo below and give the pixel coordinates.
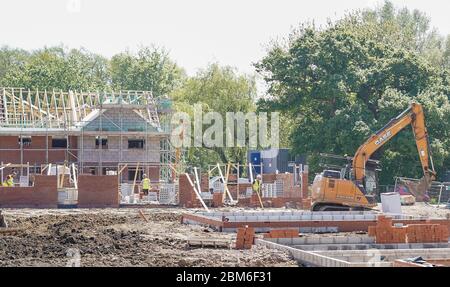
(196, 32)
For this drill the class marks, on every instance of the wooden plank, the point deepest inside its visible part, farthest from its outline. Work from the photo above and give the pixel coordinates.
(135, 177)
(10, 230)
(210, 242)
(227, 191)
(142, 215)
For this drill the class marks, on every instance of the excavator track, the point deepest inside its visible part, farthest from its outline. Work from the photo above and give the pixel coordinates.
(329, 207)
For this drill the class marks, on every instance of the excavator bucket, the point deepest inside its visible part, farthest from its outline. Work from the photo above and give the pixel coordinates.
(419, 188)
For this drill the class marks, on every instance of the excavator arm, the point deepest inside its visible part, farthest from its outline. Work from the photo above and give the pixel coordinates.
(413, 116)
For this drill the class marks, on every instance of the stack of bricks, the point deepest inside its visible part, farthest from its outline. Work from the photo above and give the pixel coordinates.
(306, 203)
(304, 183)
(254, 200)
(268, 177)
(204, 182)
(218, 199)
(419, 233)
(232, 188)
(385, 233)
(245, 237)
(281, 233)
(288, 183)
(187, 195)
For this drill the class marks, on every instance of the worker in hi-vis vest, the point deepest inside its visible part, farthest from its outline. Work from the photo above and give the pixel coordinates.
(146, 186)
(256, 186)
(10, 180)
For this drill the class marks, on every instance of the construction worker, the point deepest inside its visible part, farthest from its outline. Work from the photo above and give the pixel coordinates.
(146, 185)
(10, 180)
(256, 186)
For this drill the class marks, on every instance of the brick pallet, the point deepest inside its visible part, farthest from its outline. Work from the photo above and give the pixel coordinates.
(385, 233)
(245, 237)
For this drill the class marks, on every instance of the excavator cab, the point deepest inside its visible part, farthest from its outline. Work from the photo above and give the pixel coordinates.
(333, 190)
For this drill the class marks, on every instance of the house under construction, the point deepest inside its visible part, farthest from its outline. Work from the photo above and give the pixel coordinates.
(99, 133)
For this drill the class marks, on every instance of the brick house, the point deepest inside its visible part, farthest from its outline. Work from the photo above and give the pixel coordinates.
(99, 133)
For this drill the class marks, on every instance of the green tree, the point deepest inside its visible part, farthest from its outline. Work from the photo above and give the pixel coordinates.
(217, 89)
(56, 68)
(11, 59)
(341, 84)
(149, 69)
(404, 28)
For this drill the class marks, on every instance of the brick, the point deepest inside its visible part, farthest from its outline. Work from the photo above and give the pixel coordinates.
(283, 233)
(218, 199)
(267, 235)
(35, 154)
(43, 194)
(372, 231)
(98, 191)
(306, 203)
(187, 195)
(245, 237)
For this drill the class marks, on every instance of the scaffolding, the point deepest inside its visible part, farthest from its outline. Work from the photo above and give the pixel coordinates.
(92, 128)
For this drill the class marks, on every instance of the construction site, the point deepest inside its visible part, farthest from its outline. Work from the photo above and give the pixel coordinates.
(92, 179)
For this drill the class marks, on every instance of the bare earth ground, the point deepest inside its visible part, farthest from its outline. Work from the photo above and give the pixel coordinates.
(119, 237)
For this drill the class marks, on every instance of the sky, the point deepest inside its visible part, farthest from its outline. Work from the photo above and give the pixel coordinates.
(195, 32)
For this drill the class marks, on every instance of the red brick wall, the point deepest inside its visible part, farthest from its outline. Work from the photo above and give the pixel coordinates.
(43, 194)
(305, 184)
(187, 195)
(97, 191)
(35, 153)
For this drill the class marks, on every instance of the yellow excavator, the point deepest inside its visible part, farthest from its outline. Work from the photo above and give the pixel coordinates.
(346, 189)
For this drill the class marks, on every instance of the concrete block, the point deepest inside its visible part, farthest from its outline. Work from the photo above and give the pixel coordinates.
(306, 229)
(317, 217)
(354, 240)
(340, 239)
(286, 217)
(252, 218)
(326, 240)
(312, 240)
(239, 219)
(327, 217)
(298, 241)
(307, 217)
(338, 217)
(285, 241)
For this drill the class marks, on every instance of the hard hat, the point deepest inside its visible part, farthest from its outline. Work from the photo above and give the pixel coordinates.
(258, 176)
(145, 175)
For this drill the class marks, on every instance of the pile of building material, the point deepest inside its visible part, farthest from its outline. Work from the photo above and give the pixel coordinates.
(245, 237)
(384, 232)
(302, 221)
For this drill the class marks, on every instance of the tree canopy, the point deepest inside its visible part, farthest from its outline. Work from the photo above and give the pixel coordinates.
(219, 89)
(341, 83)
(78, 69)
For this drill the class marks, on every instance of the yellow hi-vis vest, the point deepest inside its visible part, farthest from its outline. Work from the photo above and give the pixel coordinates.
(146, 183)
(256, 185)
(10, 182)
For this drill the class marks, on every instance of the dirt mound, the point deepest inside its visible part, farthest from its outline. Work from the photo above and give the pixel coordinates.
(108, 239)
